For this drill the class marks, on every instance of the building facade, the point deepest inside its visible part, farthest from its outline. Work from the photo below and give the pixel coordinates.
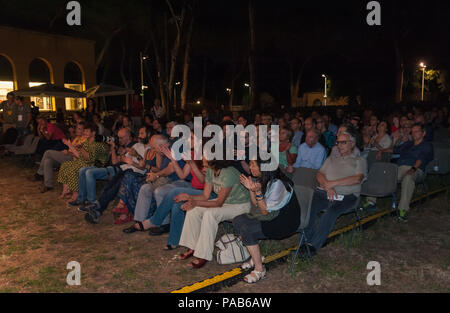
(29, 58)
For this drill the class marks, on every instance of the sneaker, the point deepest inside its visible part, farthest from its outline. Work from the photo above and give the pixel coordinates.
(402, 217)
(370, 206)
(36, 178)
(84, 206)
(92, 216)
(304, 251)
(76, 203)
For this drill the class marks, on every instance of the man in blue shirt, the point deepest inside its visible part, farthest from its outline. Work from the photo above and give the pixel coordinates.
(414, 157)
(414, 154)
(311, 154)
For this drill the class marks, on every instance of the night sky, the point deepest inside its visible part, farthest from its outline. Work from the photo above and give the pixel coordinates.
(332, 35)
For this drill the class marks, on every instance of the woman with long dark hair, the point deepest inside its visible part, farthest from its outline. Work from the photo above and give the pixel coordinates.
(272, 192)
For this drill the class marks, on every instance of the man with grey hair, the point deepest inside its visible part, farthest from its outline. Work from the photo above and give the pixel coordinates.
(340, 180)
(311, 154)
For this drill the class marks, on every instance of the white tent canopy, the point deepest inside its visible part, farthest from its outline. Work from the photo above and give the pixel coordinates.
(49, 90)
(104, 90)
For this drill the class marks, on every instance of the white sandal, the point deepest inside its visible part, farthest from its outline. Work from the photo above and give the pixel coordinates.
(255, 276)
(248, 265)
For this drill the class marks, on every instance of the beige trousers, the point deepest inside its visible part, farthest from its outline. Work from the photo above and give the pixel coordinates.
(408, 185)
(201, 225)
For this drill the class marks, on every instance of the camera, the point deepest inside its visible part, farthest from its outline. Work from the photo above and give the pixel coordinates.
(106, 139)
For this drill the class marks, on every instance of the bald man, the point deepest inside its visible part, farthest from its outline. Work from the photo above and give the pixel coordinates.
(158, 183)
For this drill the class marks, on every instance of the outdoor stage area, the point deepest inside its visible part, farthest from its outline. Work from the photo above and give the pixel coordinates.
(40, 235)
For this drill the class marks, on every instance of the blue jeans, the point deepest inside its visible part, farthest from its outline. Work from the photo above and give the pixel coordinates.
(87, 178)
(167, 207)
(144, 209)
(318, 236)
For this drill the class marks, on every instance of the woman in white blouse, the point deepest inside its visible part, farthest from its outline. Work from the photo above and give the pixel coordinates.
(381, 140)
(273, 194)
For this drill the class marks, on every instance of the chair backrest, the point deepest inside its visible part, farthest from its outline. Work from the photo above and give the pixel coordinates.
(441, 135)
(372, 158)
(306, 177)
(304, 196)
(381, 181)
(30, 149)
(441, 145)
(28, 140)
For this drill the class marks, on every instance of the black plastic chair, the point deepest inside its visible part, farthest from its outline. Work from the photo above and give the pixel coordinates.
(381, 182)
(306, 177)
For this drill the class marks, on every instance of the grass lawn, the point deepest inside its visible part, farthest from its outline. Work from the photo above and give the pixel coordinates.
(40, 235)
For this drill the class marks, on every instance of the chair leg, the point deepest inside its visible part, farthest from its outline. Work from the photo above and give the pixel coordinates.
(308, 251)
(394, 203)
(297, 251)
(360, 229)
(353, 232)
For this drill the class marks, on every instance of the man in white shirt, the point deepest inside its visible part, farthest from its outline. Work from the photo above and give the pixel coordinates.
(340, 180)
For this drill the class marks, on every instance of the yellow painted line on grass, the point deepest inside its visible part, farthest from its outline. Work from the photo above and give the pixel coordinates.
(208, 282)
(238, 271)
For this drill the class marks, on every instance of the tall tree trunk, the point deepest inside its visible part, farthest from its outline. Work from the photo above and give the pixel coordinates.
(235, 76)
(174, 53)
(399, 72)
(159, 69)
(106, 46)
(252, 62)
(152, 81)
(105, 71)
(122, 70)
(187, 62)
(295, 83)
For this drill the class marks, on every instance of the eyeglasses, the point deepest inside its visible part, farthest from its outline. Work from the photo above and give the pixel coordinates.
(344, 142)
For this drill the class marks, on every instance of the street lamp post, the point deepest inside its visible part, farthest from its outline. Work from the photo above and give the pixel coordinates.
(143, 87)
(325, 92)
(175, 93)
(423, 66)
(249, 92)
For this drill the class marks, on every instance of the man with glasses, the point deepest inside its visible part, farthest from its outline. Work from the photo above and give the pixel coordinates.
(340, 180)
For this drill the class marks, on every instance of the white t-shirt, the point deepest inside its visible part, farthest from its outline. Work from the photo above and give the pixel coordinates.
(385, 142)
(141, 149)
(277, 196)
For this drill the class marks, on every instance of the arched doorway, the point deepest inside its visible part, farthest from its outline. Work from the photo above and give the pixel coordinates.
(40, 73)
(6, 77)
(73, 79)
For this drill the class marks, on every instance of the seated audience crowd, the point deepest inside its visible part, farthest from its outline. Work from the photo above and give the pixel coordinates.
(188, 198)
